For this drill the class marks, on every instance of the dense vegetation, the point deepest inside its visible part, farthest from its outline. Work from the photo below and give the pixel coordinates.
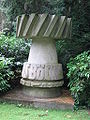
(10, 46)
(13, 53)
(78, 10)
(6, 74)
(79, 75)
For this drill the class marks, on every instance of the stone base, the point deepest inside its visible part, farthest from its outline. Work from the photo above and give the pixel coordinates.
(16, 96)
(42, 84)
(42, 92)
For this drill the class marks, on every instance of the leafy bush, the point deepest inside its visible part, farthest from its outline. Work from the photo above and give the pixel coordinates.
(5, 73)
(79, 75)
(65, 50)
(17, 49)
(14, 47)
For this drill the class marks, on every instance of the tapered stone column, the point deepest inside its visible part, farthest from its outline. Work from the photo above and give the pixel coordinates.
(42, 76)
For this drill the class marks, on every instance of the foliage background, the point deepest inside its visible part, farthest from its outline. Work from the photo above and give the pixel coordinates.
(6, 73)
(18, 49)
(79, 75)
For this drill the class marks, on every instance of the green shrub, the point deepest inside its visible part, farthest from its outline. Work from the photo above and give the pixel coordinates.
(5, 73)
(10, 46)
(79, 75)
(14, 47)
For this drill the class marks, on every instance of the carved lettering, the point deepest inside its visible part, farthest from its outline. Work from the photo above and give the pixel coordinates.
(47, 76)
(32, 72)
(42, 72)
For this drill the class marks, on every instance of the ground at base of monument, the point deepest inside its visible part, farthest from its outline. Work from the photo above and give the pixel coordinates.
(65, 101)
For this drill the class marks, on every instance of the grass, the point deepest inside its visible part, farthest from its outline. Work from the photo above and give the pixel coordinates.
(17, 112)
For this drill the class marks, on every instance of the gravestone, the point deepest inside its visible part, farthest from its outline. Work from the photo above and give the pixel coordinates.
(42, 76)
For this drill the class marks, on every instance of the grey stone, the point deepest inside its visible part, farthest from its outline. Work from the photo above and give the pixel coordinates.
(42, 75)
(42, 92)
(43, 84)
(42, 71)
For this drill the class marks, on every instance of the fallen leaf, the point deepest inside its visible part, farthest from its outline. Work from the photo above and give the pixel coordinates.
(41, 115)
(68, 116)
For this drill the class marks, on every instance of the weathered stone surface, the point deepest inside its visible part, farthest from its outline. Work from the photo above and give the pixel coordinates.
(43, 25)
(43, 51)
(42, 75)
(42, 68)
(23, 97)
(42, 71)
(42, 84)
(40, 92)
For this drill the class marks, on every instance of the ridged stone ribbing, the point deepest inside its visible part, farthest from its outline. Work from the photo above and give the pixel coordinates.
(43, 25)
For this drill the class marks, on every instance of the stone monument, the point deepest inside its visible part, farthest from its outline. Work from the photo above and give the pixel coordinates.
(42, 76)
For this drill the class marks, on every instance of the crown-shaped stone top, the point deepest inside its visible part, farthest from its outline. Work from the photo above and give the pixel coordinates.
(43, 25)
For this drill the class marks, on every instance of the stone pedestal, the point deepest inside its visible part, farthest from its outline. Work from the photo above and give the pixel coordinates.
(42, 76)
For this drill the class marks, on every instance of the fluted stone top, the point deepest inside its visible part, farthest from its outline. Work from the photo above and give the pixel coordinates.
(43, 25)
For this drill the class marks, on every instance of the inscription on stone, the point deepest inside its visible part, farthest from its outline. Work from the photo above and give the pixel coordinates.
(42, 72)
